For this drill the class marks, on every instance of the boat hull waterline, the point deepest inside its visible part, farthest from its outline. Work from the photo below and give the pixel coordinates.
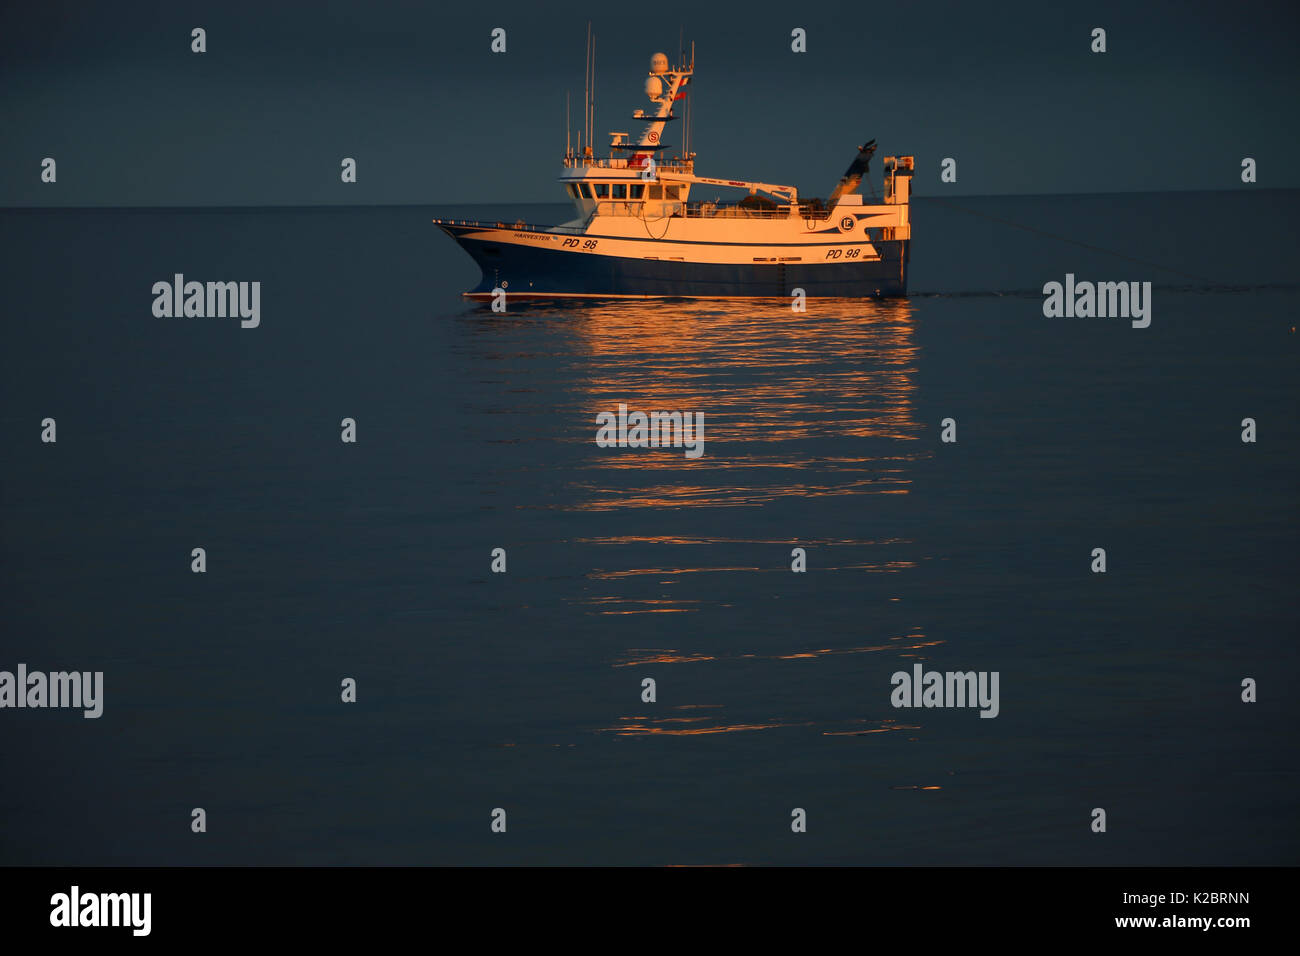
(534, 272)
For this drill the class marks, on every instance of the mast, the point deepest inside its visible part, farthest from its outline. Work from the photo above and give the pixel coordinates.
(686, 136)
(586, 95)
(586, 109)
(664, 87)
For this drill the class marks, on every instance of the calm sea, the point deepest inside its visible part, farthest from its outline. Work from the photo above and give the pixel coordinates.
(522, 690)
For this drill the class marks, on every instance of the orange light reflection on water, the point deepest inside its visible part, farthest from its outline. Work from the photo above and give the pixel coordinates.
(769, 381)
(638, 656)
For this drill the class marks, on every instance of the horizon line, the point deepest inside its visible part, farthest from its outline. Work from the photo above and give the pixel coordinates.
(560, 202)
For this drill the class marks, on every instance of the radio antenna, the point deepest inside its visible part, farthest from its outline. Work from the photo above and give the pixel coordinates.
(586, 95)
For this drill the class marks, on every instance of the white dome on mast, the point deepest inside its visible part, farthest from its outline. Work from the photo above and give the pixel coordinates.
(659, 63)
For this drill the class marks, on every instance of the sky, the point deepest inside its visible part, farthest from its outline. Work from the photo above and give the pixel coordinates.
(413, 92)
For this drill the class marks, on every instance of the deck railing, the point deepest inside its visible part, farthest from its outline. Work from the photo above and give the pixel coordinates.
(676, 164)
(518, 225)
(710, 210)
(635, 209)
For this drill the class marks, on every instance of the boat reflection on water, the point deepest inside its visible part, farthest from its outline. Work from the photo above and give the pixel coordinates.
(798, 406)
(795, 404)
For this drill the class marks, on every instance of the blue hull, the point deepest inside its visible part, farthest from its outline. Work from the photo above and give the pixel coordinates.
(546, 273)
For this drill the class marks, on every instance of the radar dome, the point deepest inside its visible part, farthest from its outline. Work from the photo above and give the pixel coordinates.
(659, 63)
(654, 87)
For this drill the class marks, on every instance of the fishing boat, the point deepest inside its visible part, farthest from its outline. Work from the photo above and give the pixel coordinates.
(637, 233)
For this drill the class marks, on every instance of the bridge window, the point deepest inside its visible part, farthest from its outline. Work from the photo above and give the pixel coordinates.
(620, 191)
(656, 192)
(637, 190)
(602, 190)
